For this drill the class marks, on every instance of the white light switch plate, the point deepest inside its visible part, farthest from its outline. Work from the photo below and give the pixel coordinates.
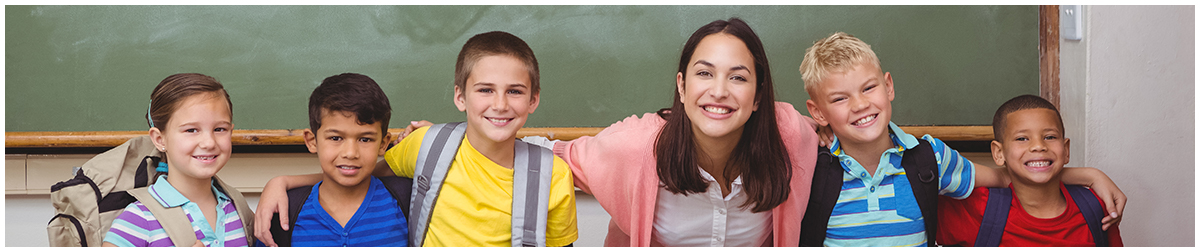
(1071, 19)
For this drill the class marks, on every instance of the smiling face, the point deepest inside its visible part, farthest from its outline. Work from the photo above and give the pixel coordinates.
(856, 104)
(718, 89)
(497, 98)
(1033, 147)
(346, 148)
(197, 138)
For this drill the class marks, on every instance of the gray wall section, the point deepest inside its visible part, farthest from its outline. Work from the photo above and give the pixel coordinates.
(1128, 102)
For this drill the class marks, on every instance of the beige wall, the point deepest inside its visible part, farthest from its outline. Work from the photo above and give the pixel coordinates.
(1128, 102)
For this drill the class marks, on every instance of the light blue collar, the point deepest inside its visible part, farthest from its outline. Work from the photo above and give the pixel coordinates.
(168, 196)
(902, 140)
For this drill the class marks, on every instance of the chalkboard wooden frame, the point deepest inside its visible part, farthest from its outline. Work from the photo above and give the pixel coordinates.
(1048, 47)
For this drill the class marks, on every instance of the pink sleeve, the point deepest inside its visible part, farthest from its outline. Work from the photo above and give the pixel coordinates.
(624, 145)
(800, 139)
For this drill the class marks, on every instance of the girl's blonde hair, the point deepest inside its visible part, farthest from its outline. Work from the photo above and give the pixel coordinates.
(834, 54)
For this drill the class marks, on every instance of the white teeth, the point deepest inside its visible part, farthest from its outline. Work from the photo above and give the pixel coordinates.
(206, 157)
(718, 110)
(346, 167)
(499, 120)
(1037, 163)
(865, 120)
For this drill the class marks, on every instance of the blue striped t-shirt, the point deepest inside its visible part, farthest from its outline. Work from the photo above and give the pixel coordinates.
(377, 223)
(880, 210)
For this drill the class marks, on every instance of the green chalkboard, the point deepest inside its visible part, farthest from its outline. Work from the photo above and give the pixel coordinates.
(91, 68)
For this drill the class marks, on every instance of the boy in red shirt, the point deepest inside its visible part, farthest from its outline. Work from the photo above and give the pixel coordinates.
(1041, 210)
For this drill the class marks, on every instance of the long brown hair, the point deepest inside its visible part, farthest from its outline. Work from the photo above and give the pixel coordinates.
(760, 156)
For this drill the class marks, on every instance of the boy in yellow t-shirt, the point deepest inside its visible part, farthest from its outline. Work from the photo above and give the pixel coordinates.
(496, 83)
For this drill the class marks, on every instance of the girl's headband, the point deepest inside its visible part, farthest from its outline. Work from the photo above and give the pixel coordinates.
(148, 114)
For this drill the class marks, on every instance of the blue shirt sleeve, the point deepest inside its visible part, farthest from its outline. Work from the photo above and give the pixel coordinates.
(956, 174)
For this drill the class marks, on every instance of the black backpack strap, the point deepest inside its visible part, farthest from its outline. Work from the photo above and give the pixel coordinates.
(995, 217)
(401, 190)
(826, 187)
(296, 198)
(146, 171)
(921, 166)
(1089, 205)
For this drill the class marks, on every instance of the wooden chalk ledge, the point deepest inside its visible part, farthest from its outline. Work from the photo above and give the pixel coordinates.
(66, 139)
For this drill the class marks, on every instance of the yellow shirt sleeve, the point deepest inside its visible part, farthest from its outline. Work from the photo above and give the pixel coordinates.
(402, 158)
(561, 229)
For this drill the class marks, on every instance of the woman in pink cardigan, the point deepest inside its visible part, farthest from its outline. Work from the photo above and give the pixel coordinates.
(715, 169)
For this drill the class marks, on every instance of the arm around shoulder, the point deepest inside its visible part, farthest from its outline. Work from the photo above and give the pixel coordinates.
(1114, 200)
(622, 146)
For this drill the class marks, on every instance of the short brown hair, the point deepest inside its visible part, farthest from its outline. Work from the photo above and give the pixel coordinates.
(837, 53)
(495, 43)
(165, 98)
(1019, 103)
(352, 93)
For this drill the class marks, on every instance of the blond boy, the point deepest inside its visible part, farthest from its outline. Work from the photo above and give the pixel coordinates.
(889, 179)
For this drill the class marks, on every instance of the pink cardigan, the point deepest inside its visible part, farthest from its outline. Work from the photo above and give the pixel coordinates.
(617, 166)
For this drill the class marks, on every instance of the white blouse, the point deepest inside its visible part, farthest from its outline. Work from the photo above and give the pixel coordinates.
(707, 219)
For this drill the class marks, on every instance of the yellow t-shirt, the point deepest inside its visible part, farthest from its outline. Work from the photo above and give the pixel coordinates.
(474, 207)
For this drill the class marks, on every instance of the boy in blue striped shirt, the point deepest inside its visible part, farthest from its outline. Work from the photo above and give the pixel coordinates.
(348, 119)
(885, 182)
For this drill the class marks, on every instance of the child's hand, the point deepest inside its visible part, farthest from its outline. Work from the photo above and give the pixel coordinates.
(824, 136)
(198, 244)
(413, 125)
(1114, 201)
(273, 200)
(1113, 198)
(824, 133)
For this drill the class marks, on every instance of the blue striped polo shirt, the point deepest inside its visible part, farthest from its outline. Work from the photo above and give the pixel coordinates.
(880, 210)
(377, 223)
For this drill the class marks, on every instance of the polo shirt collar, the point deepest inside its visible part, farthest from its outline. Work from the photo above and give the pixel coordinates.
(168, 196)
(903, 141)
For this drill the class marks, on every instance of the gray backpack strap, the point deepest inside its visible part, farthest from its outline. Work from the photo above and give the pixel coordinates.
(173, 220)
(532, 169)
(433, 161)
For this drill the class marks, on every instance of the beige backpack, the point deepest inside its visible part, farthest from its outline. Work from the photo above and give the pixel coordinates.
(86, 205)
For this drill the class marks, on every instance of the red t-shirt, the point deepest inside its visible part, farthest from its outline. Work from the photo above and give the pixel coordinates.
(959, 221)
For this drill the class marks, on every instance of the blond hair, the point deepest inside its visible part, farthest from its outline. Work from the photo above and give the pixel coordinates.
(837, 53)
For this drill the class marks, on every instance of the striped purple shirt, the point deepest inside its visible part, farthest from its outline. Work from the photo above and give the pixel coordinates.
(136, 227)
